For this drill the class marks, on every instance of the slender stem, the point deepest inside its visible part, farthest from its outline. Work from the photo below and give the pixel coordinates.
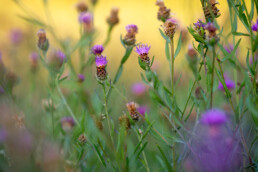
(174, 156)
(144, 156)
(106, 111)
(66, 104)
(117, 90)
(172, 65)
(52, 117)
(108, 36)
(212, 75)
(163, 138)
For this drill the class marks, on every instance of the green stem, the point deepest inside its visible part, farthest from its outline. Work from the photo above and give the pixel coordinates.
(172, 66)
(106, 111)
(212, 75)
(143, 153)
(108, 36)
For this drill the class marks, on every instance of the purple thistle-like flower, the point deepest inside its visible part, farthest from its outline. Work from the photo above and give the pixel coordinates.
(210, 27)
(138, 89)
(16, 36)
(1, 90)
(142, 49)
(229, 48)
(81, 77)
(214, 117)
(34, 56)
(3, 135)
(97, 49)
(229, 83)
(86, 18)
(101, 61)
(255, 26)
(143, 109)
(199, 24)
(131, 28)
(60, 55)
(172, 20)
(67, 123)
(250, 59)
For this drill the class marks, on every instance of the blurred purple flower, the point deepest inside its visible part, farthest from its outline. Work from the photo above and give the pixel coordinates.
(210, 27)
(214, 117)
(60, 55)
(131, 28)
(143, 109)
(81, 77)
(67, 123)
(34, 56)
(138, 89)
(97, 49)
(3, 134)
(16, 36)
(86, 18)
(1, 90)
(172, 20)
(229, 83)
(229, 48)
(255, 26)
(250, 59)
(101, 61)
(142, 49)
(199, 24)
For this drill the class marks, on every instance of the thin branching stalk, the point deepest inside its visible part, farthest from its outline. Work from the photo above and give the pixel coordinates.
(172, 65)
(212, 74)
(108, 36)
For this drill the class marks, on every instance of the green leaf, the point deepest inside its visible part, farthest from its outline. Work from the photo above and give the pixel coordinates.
(142, 148)
(252, 10)
(164, 36)
(99, 155)
(119, 73)
(32, 21)
(165, 159)
(127, 54)
(122, 41)
(223, 83)
(240, 34)
(179, 45)
(167, 50)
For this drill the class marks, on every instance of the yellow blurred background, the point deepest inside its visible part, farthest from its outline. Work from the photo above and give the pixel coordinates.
(140, 12)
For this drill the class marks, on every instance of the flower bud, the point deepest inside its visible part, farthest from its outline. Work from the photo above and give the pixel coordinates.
(33, 61)
(164, 12)
(132, 108)
(43, 43)
(56, 60)
(82, 138)
(86, 20)
(170, 27)
(48, 105)
(81, 78)
(129, 38)
(81, 7)
(113, 18)
(67, 123)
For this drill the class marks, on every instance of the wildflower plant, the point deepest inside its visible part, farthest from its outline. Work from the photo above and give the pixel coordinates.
(81, 119)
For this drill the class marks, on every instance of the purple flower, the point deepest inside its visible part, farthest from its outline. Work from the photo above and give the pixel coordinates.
(67, 123)
(60, 55)
(34, 56)
(250, 59)
(199, 24)
(1, 90)
(97, 49)
(16, 36)
(229, 83)
(80, 77)
(138, 89)
(86, 18)
(172, 20)
(132, 28)
(101, 61)
(255, 26)
(214, 117)
(210, 27)
(3, 135)
(143, 109)
(142, 49)
(229, 48)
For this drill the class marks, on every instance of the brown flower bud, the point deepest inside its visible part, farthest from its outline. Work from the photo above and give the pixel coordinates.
(170, 27)
(124, 120)
(129, 38)
(164, 12)
(42, 40)
(113, 18)
(132, 108)
(101, 73)
(82, 138)
(81, 7)
(211, 10)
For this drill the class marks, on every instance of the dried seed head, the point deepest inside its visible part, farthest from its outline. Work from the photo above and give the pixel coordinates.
(82, 138)
(252, 78)
(113, 18)
(210, 10)
(170, 27)
(164, 12)
(43, 43)
(132, 108)
(81, 7)
(129, 38)
(124, 120)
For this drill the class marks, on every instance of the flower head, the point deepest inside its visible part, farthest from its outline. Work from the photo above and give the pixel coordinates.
(81, 7)
(113, 18)
(229, 48)
(97, 49)
(80, 77)
(170, 27)
(142, 49)
(132, 28)
(101, 61)
(132, 108)
(199, 24)
(214, 117)
(42, 40)
(229, 83)
(143, 109)
(86, 17)
(16, 36)
(56, 59)
(255, 26)
(164, 12)
(67, 123)
(138, 89)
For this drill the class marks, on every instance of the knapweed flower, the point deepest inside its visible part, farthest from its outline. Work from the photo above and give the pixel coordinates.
(3, 135)
(143, 51)
(143, 109)
(170, 27)
(138, 89)
(211, 10)
(229, 83)
(129, 38)
(87, 21)
(212, 37)
(192, 58)
(132, 108)
(101, 63)
(80, 77)
(97, 50)
(56, 60)
(255, 26)
(124, 121)
(81, 7)
(16, 36)
(164, 12)
(199, 27)
(33, 61)
(43, 43)
(67, 123)
(191, 52)
(214, 117)
(113, 18)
